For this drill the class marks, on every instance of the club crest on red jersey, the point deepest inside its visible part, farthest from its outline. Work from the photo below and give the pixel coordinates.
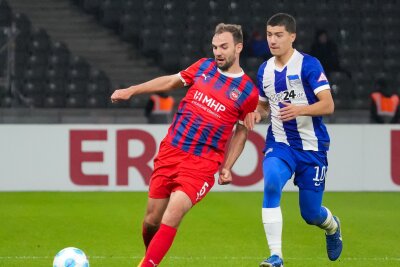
(234, 93)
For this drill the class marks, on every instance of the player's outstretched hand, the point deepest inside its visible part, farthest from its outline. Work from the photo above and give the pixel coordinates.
(289, 112)
(225, 176)
(120, 95)
(251, 119)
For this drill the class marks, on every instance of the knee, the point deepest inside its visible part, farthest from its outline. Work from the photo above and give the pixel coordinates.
(151, 226)
(152, 219)
(272, 181)
(271, 188)
(311, 218)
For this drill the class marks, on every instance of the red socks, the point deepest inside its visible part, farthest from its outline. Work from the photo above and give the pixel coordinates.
(159, 246)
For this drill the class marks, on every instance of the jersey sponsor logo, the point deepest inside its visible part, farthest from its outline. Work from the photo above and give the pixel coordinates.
(210, 102)
(322, 78)
(284, 96)
(234, 94)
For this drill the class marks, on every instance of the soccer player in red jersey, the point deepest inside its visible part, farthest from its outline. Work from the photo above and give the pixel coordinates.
(219, 97)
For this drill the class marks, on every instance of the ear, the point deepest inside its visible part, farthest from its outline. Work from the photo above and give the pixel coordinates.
(293, 37)
(238, 48)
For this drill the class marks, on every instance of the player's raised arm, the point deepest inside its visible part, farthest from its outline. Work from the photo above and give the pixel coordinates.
(261, 113)
(160, 84)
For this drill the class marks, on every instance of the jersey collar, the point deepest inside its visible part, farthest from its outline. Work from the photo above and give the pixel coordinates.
(295, 53)
(231, 75)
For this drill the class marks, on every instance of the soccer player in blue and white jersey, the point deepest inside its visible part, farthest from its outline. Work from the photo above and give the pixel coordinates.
(295, 91)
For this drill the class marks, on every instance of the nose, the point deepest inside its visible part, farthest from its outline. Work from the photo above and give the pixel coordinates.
(217, 51)
(272, 39)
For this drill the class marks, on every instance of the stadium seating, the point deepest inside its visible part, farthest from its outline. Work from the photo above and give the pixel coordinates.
(177, 32)
(173, 38)
(46, 74)
(5, 14)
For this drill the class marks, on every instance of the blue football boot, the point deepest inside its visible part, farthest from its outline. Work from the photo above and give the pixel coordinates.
(273, 261)
(334, 244)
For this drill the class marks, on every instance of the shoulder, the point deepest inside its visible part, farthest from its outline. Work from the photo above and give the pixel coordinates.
(310, 63)
(208, 60)
(264, 65)
(248, 81)
(248, 85)
(200, 66)
(308, 59)
(204, 62)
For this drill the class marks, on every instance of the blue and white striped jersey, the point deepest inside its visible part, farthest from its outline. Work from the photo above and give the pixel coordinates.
(298, 82)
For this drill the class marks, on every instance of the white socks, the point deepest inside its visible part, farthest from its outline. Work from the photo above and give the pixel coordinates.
(273, 223)
(272, 220)
(329, 225)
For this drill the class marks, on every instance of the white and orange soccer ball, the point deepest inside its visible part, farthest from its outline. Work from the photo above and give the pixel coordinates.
(70, 257)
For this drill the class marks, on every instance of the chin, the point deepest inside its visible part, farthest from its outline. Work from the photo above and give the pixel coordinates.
(221, 66)
(275, 52)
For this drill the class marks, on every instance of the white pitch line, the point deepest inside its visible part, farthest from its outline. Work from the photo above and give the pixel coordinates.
(206, 258)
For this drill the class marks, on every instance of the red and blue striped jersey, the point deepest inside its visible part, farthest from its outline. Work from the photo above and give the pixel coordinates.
(215, 101)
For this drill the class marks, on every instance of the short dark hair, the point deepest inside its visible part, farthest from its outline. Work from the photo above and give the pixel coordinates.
(235, 29)
(283, 19)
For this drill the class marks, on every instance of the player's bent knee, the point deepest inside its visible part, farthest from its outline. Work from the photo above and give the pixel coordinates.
(312, 218)
(272, 188)
(153, 218)
(151, 226)
(151, 221)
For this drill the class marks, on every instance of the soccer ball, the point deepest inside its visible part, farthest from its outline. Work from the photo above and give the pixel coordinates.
(70, 257)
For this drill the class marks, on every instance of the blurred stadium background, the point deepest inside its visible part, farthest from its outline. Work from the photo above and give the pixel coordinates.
(60, 60)
(59, 57)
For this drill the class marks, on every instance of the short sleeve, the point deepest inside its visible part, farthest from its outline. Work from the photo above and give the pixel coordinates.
(260, 77)
(251, 104)
(187, 75)
(315, 75)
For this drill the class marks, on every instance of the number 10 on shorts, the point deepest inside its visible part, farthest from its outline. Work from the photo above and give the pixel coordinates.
(320, 175)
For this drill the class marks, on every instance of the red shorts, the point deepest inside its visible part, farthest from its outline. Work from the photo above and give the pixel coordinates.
(177, 170)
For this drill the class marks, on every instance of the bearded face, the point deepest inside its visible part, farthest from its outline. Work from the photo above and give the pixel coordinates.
(224, 50)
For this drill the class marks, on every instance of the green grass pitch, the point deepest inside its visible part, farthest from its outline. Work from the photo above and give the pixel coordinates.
(225, 229)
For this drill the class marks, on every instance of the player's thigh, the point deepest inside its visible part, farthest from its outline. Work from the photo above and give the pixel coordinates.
(179, 204)
(278, 165)
(276, 172)
(311, 170)
(166, 167)
(196, 177)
